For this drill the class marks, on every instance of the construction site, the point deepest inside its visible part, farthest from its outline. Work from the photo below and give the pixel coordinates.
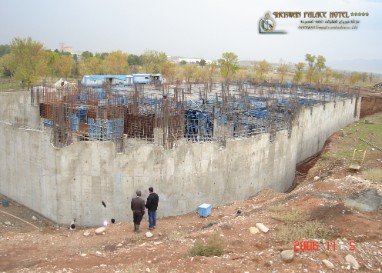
(164, 114)
(76, 146)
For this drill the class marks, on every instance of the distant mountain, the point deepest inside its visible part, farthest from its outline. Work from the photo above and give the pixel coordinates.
(360, 65)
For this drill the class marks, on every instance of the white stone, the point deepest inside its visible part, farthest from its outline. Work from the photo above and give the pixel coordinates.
(34, 218)
(316, 178)
(254, 230)
(86, 233)
(328, 264)
(352, 261)
(100, 230)
(262, 227)
(287, 255)
(8, 223)
(149, 234)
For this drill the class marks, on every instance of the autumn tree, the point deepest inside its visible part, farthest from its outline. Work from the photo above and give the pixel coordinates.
(27, 60)
(228, 65)
(355, 77)
(169, 71)
(154, 61)
(282, 70)
(189, 71)
(320, 65)
(262, 68)
(310, 71)
(115, 63)
(328, 72)
(90, 66)
(299, 70)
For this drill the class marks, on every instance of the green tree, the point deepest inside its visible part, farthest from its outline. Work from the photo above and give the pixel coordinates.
(27, 60)
(51, 58)
(5, 66)
(262, 69)
(4, 49)
(299, 70)
(86, 54)
(115, 63)
(228, 65)
(154, 61)
(63, 65)
(133, 59)
(202, 62)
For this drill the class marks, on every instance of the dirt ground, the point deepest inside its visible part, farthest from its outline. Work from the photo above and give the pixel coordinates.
(327, 192)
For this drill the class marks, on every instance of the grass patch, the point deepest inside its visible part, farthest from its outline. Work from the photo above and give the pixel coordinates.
(308, 230)
(281, 213)
(373, 174)
(213, 247)
(176, 235)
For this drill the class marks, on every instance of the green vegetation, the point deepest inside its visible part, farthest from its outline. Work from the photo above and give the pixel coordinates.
(28, 62)
(213, 247)
(228, 65)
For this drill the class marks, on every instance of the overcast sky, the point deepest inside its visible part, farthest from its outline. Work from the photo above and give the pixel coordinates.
(195, 28)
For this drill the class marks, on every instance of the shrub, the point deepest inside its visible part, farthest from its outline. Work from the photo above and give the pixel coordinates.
(213, 247)
(308, 230)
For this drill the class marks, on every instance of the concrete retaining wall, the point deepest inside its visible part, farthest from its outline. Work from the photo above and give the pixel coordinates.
(71, 182)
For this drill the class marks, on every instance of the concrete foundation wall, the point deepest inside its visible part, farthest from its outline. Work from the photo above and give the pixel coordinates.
(71, 182)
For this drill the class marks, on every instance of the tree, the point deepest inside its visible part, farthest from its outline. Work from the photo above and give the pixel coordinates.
(211, 71)
(202, 62)
(282, 70)
(63, 65)
(27, 60)
(319, 67)
(51, 58)
(86, 54)
(5, 66)
(4, 49)
(299, 69)
(328, 73)
(154, 61)
(115, 63)
(189, 71)
(355, 77)
(90, 66)
(309, 73)
(169, 71)
(228, 65)
(262, 69)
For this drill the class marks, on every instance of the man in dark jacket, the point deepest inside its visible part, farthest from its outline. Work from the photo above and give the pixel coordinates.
(152, 205)
(138, 208)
